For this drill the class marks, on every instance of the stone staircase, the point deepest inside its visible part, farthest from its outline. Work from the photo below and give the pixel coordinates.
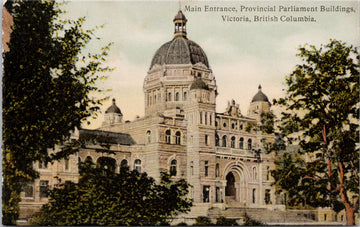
(264, 215)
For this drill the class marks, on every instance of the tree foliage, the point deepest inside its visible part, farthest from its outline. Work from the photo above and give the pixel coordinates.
(321, 116)
(47, 87)
(202, 221)
(103, 197)
(267, 120)
(220, 221)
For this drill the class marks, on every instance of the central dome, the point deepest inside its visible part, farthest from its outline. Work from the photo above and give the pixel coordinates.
(180, 50)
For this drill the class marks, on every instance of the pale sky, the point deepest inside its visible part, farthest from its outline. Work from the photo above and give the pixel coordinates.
(242, 55)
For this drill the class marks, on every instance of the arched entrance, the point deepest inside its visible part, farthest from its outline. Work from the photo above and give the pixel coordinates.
(106, 163)
(230, 189)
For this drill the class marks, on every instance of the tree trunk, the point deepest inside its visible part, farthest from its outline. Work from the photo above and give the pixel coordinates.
(350, 214)
(349, 210)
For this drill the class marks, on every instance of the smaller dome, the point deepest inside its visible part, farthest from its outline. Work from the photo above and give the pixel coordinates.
(199, 84)
(113, 108)
(260, 96)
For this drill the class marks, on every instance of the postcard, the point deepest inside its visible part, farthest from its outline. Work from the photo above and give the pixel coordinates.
(172, 112)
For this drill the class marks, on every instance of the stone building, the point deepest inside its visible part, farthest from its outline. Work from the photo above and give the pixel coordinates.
(220, 154)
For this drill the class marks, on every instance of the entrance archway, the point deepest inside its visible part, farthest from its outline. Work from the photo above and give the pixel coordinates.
(230, 189)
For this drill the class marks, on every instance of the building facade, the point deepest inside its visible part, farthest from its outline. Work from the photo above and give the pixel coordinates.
(220, 154)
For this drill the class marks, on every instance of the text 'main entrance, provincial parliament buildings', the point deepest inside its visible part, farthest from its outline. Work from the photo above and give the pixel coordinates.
(219, 154)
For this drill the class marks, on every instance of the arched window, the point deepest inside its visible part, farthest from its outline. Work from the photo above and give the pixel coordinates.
(124, 163)
(224, 141)
(106, 163)
(241, 143)
(249, 144)
(173, 168)
(148, 136)
(233, 142)
(185, 96)
(210, 119)
(267, 173)
(177, 98)
(217, 140)
(88, 161)
(137, 165)
(178, 138)
(169, 96)
(254, 173)
(201, 117)
(155, 99)
(217, 170)
(167, 136)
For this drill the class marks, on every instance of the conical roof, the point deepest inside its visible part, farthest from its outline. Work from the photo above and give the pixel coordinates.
(180, 16)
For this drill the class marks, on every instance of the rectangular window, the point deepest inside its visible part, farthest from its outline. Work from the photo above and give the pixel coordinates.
(66, 164)
(206, 139)
(217, 195)
(29, 190)
(206, 194)
(206, 168)
(254, 196)
(44, 187)
(192, 168)
(267, 196)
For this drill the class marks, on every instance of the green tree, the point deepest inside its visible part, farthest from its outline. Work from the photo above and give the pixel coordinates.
(267, 122)
(47, 87)
(202, 221)
(222, 221)
(321, 112)
(103, 197)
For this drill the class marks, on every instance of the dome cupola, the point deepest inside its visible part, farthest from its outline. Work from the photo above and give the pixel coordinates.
(113, 115)
(260, 96)
(180, 50)
(180, 24)
(179, 72)
(113, 108)
(259, 104)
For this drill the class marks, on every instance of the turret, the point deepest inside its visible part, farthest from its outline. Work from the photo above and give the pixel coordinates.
(259, 104)
(113, 114)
